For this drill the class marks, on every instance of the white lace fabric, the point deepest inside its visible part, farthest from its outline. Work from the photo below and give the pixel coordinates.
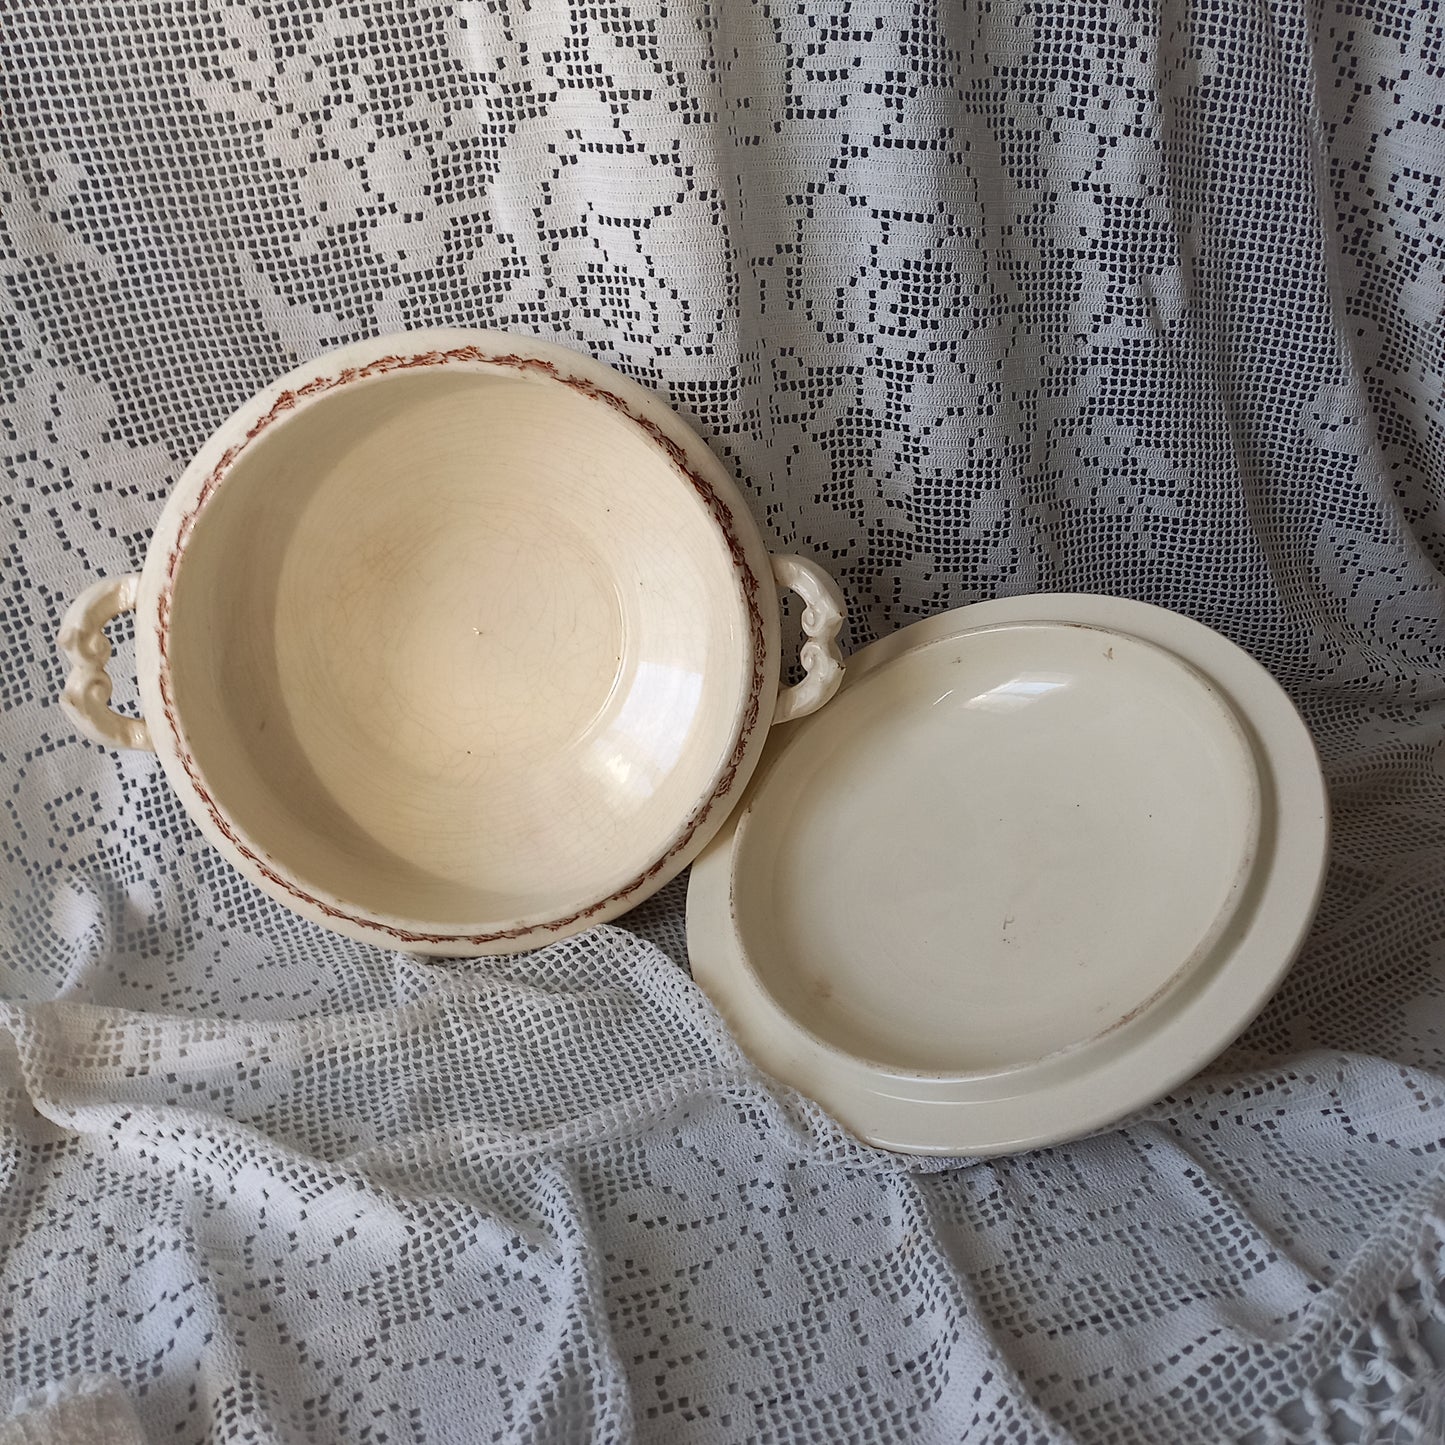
(974, 301)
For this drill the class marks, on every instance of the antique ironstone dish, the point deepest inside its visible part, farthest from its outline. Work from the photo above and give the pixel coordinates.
(455, 641)
(460, 643)
(1040, 860)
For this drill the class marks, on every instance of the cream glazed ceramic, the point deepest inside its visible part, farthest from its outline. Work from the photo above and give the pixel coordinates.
(456, 642)
(1039, 861)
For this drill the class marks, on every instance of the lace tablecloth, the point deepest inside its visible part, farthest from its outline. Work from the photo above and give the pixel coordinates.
(974, 300)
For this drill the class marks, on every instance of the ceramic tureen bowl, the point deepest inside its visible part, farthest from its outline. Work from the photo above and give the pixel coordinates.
(456, 642)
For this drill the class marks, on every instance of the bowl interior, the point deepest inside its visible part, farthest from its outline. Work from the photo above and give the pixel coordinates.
(459, 646)
(997, 847)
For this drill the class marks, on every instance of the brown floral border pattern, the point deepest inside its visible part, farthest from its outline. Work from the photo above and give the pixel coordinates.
(469, 355)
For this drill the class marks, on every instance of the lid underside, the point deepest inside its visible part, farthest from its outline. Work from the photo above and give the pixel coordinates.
(999, 847)
(1039, 861)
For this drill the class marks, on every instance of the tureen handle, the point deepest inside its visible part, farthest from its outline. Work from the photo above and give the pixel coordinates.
(86, 699)
(823, 613)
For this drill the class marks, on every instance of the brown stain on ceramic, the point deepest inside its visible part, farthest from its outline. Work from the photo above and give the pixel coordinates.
(469, 355)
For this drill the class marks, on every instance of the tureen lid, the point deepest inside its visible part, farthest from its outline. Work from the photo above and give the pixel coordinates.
(1039, 860)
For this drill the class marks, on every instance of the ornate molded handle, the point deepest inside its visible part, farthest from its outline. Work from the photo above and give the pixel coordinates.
(86, 699)
(823, 613)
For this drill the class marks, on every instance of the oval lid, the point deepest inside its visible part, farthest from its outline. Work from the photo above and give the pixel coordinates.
(1028, 841)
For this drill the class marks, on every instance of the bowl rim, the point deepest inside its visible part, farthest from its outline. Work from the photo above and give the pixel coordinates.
(404, 353)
